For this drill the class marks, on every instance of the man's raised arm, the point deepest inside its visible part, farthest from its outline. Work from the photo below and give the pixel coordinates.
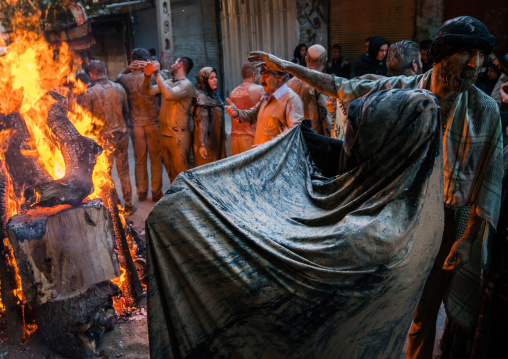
(322, 82)
(148, 89)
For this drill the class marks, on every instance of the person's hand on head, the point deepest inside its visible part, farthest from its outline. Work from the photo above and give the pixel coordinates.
(232, 110)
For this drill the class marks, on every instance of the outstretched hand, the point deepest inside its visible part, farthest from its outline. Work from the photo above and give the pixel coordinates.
(232, 110)
(459, 255)
(266, 60)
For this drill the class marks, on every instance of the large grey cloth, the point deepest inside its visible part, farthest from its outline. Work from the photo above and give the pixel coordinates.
(261, 256)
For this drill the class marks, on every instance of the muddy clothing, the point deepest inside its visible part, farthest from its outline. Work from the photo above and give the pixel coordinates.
(245, 96)
(107, 101)
(340, 68)
(274, 114)
(314, 106)
(174, 120)
(209, 128)
(472, 171)
(473, 168)
(146, 143)
(144, 110)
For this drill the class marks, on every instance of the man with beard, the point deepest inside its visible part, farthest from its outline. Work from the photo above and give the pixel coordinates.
(145, 127)
(472, 144)
(279, 109)
(175, 113)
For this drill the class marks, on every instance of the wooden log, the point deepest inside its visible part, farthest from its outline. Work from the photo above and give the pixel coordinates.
(73, 323)
(13, 311)
(80, 156)
(61, 249)
(131, 288)
(20, 158)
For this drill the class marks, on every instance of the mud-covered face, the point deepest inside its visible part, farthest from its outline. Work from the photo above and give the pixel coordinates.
(382, 52)
(212, 81)
(460, 70)
(174, 67)
(270, 82)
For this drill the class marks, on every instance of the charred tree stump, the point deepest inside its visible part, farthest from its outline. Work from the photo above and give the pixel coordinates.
(80, 156)
(132, 289)
(13, 311)
(73, 323)
(62, 249)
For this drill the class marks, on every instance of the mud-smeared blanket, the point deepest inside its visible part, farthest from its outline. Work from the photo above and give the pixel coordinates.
(261, 256)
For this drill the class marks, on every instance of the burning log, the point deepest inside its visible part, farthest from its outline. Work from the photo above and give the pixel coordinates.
(73, 324)
(20, 157)
(61, 249)
(13, 311)
(131, 287)
(80, 156)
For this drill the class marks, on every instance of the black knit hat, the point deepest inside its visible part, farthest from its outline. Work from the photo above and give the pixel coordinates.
(460, 32)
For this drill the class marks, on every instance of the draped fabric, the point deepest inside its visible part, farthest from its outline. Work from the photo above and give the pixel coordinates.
(262, 256)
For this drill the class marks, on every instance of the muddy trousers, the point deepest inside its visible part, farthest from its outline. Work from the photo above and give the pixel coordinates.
(241, 143)
(423, 330)
(116, 148)
(145, 140)
(176, 153)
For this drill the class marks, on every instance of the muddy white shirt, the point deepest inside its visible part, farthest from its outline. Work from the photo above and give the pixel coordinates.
(282, 110)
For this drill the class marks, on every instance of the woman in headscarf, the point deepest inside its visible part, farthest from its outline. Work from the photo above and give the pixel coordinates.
(374, 62)
(299, 55)
(208, 115)
(274, 253)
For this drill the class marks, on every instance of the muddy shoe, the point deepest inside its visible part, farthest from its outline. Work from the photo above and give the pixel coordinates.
(156, 198)
(129, 210)
(141, 197)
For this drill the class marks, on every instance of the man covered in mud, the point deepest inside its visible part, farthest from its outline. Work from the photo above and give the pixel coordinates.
(472, 149)
(245, 96)
(107, 101)
(279, 109)
(314, 102)
(145, 135)
(175, 113)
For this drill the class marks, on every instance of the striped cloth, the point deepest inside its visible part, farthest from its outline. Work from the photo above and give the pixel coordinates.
(472, 142)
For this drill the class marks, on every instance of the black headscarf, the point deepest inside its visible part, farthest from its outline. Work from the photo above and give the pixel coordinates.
(369, 64)
(458, 33)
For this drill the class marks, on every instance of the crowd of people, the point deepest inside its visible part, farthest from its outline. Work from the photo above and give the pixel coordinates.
(185, 127)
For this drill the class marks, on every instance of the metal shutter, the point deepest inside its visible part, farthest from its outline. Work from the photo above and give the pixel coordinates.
(352, 21)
